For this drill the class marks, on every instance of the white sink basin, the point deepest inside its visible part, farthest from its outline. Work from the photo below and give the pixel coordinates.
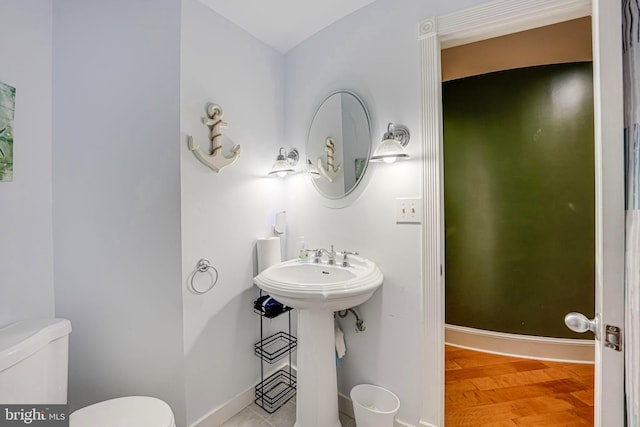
(317, 290)
(301, 284)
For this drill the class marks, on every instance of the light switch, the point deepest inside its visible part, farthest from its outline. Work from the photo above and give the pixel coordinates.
(409, 210)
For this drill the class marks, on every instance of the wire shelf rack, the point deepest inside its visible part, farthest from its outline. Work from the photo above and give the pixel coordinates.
(275, 347)
(276, 390)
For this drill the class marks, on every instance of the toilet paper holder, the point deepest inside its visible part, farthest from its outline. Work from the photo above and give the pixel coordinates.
(204, 266)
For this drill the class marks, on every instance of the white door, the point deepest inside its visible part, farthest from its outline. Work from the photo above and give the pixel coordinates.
(610, 225)
(499, 18)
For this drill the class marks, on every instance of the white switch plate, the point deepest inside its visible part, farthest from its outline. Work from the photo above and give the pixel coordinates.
(409, 210)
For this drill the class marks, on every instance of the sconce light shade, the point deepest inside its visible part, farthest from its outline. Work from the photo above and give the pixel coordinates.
(284, 163)
(312, 170)
(393, 145)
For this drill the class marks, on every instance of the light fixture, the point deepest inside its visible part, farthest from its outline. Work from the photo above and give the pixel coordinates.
(312, 170)
(285, 162)
(392, 146)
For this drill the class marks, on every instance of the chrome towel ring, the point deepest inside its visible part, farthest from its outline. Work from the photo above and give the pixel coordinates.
(204, 266)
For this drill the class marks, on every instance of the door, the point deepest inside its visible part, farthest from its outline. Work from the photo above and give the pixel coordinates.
(491, 20)
(609, 297)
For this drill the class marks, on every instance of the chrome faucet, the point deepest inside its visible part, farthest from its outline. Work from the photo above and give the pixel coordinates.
(331, 256)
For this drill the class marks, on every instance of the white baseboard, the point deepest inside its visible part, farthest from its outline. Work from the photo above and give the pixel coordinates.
(529, 347)
(228, 409)
(346, 407)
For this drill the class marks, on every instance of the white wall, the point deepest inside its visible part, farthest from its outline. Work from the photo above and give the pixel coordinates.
(121, 264)
(26, 247)
(224, 213)
(375, 53)
(116, 208)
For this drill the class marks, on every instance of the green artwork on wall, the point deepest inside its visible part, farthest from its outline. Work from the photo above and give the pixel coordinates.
(7, 110)
(519, 190)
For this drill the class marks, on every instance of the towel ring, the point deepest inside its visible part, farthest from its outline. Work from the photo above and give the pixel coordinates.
(204, 266)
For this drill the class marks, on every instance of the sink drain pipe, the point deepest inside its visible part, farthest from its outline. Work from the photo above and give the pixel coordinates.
(360, 325)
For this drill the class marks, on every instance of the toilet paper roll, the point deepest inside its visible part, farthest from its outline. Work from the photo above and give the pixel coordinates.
(341, 348)
(268, 252)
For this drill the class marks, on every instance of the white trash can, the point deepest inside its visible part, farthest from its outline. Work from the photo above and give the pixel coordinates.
(374, 406)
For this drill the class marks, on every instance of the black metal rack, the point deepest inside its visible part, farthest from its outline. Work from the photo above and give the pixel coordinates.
(277, 389)
(275, 347)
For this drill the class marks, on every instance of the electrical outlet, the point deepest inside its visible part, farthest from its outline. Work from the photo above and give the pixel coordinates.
(409, 210)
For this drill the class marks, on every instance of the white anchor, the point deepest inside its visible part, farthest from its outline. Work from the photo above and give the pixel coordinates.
(329, 172)
(214, 161)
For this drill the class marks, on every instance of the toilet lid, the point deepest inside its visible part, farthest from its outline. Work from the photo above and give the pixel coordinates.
(132, 411)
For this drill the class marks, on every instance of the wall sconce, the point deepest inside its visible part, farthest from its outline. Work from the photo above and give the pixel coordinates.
(392, 146)
(312, 170)
(285, 162)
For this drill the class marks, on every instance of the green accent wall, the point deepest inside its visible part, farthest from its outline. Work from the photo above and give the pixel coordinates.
(520, 199)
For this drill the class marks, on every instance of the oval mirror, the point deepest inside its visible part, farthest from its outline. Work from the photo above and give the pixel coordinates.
(339, 144)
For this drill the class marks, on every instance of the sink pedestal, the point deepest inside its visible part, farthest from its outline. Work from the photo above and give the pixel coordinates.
(317, 390)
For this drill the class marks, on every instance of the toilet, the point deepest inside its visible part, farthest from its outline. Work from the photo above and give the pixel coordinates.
(34, 357)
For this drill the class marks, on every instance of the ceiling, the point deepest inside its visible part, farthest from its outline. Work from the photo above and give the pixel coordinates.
(283, 24)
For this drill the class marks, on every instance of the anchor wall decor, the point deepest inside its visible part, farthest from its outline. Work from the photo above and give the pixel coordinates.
(216, 161)
(330, 172)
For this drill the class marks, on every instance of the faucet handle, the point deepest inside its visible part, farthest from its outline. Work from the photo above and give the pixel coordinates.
(317, 255)
(345, 258)
(332, 256)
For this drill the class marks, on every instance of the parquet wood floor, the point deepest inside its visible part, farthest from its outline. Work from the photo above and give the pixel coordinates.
(489, 390)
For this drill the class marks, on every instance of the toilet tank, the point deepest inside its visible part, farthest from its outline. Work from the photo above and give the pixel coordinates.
(34, 361)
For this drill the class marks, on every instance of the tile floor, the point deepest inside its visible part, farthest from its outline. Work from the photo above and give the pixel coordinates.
(255, 416)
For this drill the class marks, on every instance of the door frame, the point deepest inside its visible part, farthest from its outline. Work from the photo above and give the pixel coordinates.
(495, 19)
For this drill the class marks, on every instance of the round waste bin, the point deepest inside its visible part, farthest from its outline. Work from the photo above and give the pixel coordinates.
(374, 406)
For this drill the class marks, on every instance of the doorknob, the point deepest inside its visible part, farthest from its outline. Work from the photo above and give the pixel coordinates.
(578, 322)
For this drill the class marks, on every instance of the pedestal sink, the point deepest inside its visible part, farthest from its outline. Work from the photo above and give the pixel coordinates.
(316, 291)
